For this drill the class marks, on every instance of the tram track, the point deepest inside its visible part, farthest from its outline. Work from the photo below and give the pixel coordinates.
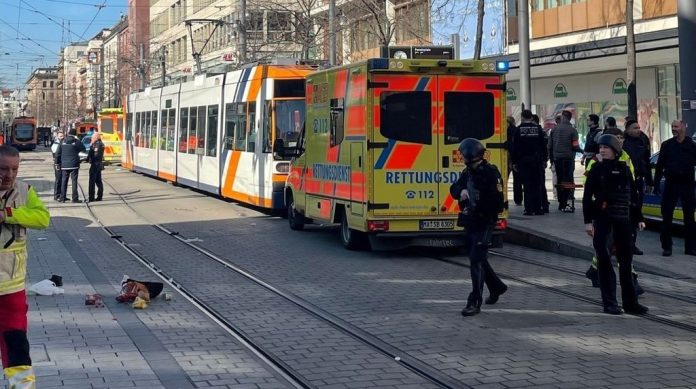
(575, 296)
(402, 358)
(686, 299)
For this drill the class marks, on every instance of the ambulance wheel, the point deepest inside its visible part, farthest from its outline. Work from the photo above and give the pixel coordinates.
(295, 220)
(352, 239)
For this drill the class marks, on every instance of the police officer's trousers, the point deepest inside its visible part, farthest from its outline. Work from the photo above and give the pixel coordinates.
(678, 188)
(95, 179)
(58, 184)
(532, 180)
(621, 232)
(71, 175)
(478, 238)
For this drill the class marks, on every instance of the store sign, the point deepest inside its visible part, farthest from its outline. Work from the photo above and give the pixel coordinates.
(560, 91)
(187, 70)
(229, 57)
(619, 87)
(511, 95)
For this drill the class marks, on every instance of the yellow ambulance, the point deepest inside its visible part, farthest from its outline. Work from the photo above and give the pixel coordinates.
(379, 149)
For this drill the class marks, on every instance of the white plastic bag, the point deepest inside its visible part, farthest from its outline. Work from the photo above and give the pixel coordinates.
(46, 288)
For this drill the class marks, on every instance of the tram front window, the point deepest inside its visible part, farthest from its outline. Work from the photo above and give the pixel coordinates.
(24, 132)
(290, 119)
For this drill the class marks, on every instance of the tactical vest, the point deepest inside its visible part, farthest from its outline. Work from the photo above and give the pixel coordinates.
(615, 201)
(13, 243)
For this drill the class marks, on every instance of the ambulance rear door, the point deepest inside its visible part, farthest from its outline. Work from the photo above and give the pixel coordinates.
(468, 107)
(404, 145)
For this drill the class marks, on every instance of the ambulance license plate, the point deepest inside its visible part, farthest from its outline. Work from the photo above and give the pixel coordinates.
(436, 224)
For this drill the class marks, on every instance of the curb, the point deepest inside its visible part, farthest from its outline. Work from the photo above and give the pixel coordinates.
(545, 242)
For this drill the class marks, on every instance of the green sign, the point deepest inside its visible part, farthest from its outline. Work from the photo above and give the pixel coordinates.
(619, 87)
(511, 95)
(560, 91)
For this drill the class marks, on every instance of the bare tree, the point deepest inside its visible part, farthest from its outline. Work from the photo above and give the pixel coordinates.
(289, 22)
(631, 61)
(479, 29)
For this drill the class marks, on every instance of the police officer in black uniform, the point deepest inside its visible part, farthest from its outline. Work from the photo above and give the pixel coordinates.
(96, 160)
(480, 193)
(676, 163)
(529, 158)
(610, 202)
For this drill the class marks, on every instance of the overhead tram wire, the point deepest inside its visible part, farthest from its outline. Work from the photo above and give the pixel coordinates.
(28, 38)
(95, 16)
(33, 9)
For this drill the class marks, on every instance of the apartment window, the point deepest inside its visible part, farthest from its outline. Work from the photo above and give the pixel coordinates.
(255, 25)
(51, 84)
(44, 84)
(279, 26)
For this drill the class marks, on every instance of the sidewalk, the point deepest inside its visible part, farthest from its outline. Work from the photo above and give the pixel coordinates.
(564, 233)
(171, 344)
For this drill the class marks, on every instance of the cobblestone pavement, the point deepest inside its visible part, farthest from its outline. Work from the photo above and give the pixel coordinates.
(531, 338)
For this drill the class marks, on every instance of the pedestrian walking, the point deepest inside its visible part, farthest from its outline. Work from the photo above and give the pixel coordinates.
(637, 145)
(21, 209)
(676, 163)
(95, 157)
(609, 205)
(57, 185)
(529, 159)
(479, 190)
(68, 157)
(517, 190)
(563, 144)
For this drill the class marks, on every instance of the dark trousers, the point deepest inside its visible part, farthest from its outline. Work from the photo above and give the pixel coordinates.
(58, 184)
(544, 194)
(531, 174)
(677, 188)
(621, 232)
(95, 179)
(69, 175)
(564, 175)
(478, 239)
(517, 191)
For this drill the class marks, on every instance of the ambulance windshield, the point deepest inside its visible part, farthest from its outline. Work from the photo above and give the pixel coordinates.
(290, 119)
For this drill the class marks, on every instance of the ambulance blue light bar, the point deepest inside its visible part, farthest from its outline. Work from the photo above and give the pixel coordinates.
(502, 66)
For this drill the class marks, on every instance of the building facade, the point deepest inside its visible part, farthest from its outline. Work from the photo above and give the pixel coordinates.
(72, 66)
(578, 62)
(44, 96)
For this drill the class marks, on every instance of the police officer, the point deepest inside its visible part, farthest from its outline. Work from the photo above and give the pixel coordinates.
(529, 158)
(676, 163)
(609, 203)
(480, 193)
(96, 160)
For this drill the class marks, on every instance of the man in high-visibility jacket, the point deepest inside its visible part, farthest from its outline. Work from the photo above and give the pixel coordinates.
(21, 209)
(592, 273)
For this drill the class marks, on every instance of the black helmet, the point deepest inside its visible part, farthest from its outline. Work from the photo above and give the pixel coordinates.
(472, 150)
(612, 142)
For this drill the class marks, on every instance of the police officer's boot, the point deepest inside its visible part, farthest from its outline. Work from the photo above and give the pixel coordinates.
(471, 309)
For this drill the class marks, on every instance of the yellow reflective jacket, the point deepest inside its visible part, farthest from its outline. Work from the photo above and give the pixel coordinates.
(624, 157)
(23, 209)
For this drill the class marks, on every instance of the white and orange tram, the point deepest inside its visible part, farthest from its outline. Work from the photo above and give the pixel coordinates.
(216, 133)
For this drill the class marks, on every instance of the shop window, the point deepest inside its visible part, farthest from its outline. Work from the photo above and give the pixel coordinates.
(191, 140)
(406, 116)
(200, 130)
(183, 129)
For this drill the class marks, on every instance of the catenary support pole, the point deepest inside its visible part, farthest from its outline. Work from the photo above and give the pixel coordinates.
(525, 73)
(687, 58)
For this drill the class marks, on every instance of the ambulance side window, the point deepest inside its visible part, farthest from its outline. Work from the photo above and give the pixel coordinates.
(336, 127)
(468, 115)
(406, 116)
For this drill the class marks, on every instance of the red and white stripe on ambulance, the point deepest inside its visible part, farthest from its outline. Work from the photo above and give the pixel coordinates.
(418, 123)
